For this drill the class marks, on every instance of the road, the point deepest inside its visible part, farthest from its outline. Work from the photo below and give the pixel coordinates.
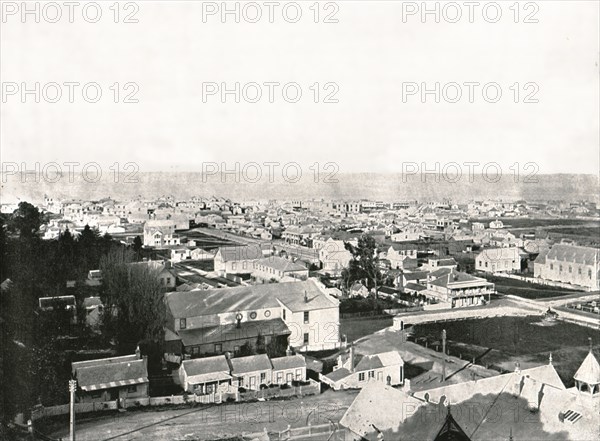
(214, 422)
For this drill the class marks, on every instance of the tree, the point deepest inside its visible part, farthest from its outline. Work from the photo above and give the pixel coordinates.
(134, 310)
(364, 265)
(27, 220)
(260, 344)
(137, 244)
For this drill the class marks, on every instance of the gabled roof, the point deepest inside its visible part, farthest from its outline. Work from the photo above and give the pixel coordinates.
(200, 370)
(376, 361)
(451, 431)
(247, 298)
(457, 277)
(236, 253)
(252, 363)
(110, 372)
(280, 264)
(575, 254)
(589, 371)
(248, 329)
(288, 362)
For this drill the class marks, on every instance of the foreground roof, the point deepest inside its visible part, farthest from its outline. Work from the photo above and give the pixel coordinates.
(110, 372)
(589, 371)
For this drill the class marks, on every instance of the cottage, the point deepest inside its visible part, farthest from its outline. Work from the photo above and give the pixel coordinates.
(277, 268)
(252, 372)
(109, 379)
(205, 375)
(385, 368)
(289, 368)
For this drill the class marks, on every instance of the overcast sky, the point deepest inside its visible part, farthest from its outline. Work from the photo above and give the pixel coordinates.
(369, 54)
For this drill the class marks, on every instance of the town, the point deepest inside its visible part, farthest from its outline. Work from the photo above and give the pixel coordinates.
(207, 318)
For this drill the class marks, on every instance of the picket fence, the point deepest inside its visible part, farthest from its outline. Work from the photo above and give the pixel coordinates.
(313, 388)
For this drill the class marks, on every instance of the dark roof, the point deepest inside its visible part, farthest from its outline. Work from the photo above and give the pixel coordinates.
(338, 374)
(230, 332)
(280, 264)
(415, 286)
(451, 431)
(110, 372)
(575, 254)
(417, 275)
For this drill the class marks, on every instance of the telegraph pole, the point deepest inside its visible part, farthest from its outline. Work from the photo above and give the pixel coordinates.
(72, 389)
(444, 352)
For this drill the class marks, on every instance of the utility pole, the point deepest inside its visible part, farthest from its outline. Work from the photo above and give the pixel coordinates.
(444, 355)
(72, 389)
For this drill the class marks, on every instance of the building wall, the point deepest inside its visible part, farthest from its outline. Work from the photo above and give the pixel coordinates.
(323, 329)
(283, 376)
(253, 380)
(133, 391)
(568, 272)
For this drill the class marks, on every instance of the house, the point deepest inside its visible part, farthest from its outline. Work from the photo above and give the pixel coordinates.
(160, 233)
(358, 290)
(385, 368)
(278, 268)
(237, 259)
(251, 372)
(459, 289)
(406, 236)
(418, 277)
(93, 311)
(435, 264)
(299, 314)
(398, 253)
(179, 254)
(529, 404)
(575, 265)
(334, 256)
(287, 369)
(204, 376)
(498, 260)
(496, 224)
(163, 270)
(113, 378)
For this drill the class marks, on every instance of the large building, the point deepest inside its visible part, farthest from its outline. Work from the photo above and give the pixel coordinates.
(575, 265)
(297, 314)
(529, 404)
(237, 259)
(458, 289)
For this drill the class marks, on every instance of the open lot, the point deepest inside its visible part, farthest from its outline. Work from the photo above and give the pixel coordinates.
(505, 285)
(505, 340)
(355, 328)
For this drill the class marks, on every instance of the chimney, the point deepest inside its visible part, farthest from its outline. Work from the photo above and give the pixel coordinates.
(518, 380)
(550, 359)
(444, 355)
(288, 351)
(305, 297)
(138, 353)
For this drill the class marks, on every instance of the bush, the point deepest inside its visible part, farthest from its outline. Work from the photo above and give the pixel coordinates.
(284, 386)
(263, 386)
(241, 390)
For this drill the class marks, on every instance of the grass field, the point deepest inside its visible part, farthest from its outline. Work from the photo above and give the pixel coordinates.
(502, 341)
(356, 328)
(516, 287)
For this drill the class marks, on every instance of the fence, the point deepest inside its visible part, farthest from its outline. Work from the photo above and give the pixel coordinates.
(313, 388)
(539, 281)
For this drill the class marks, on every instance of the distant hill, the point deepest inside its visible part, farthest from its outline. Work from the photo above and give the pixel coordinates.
(374, 186)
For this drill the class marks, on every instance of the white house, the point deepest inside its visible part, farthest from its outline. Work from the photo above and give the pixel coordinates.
(252, 371)
(398, 254)
(160, 233)
(289, 368)
(386, 368)
(278, 268)
(493, 260)
(205, 375)
(237, 259)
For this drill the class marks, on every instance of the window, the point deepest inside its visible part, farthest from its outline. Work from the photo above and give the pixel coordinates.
(284, 314)
(218, 348)
(306, 338)
(168, 280)
(486, 264)
(361, 376)
(195, 350)
(182, 323)
(560, 268)
(371, 374)
(570, 269)
(233, 266)
(298, 374)
(551, 266)
(253, 315)
(590, 273)
(306, 316)
(263, 376)
(132, 389)
(236, 349)
(480, 263)
(579, 271)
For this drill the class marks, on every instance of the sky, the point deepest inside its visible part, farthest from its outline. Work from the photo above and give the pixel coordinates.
(370, 61)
